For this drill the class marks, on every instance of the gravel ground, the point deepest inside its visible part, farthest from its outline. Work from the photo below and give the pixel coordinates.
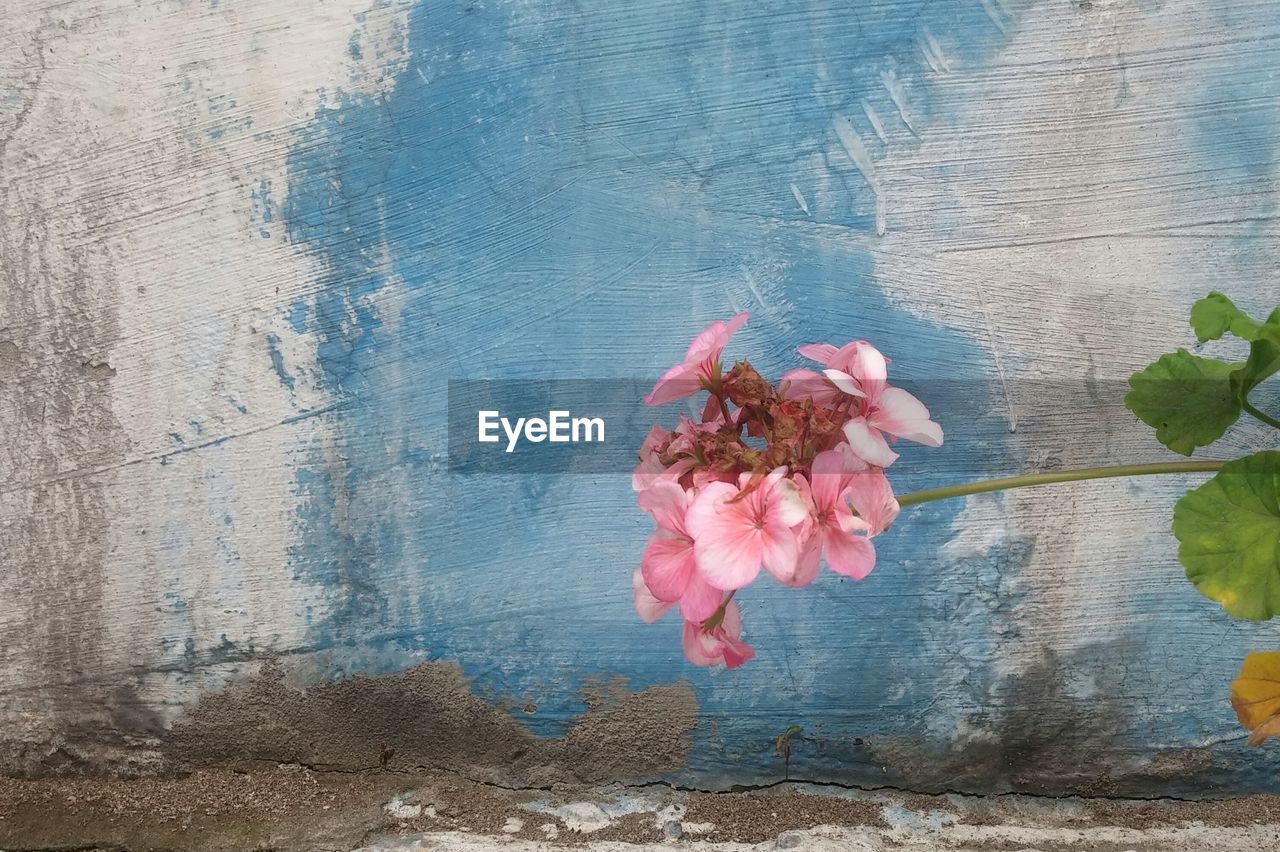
(293, 808)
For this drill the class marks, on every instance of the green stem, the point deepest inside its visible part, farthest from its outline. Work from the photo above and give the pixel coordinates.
(1026, 480)
(713, 621)
(1265, 418)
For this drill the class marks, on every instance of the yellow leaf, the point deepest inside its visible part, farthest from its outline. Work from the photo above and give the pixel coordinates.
(1269, 728)
(1255, 695)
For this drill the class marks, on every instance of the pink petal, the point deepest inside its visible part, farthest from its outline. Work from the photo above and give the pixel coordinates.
(851, 462)
(700, 647)
(730, 558)
(726, 543)
(844, 382)
(794, 503)
(667, 502)
(849, 521)
(736, 322)
(771, 480)
(829, 478)
(700, 600)
(656, 437)
(901, 414)
(667, 565)
(647, 472)
(807, 383)
(736, 653)
(711, 410)
(651, 470)
(808, 561)
(780, 553)
(677, 383)
(867, 365)
(820, 352)
(649, 607)
(711, 341)
(705, 342)
(850, 555)
(872, 497)
(867, 443)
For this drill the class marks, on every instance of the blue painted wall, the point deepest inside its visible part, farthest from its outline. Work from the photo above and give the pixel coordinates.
(563, 190)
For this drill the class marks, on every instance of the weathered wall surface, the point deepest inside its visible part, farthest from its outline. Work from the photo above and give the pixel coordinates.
(244, 245)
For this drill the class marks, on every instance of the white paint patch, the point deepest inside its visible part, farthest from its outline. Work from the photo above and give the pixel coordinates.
(581, 817)
(401, 808)
(759, 286)
(799, 197)
(933, 54)
(873, 118)
(672, 812)
(902, 817)
(893, 86)
(925, 837)
(976, 529)
(189, 142)
(851, 142)
(1037, 220)
(993, 12)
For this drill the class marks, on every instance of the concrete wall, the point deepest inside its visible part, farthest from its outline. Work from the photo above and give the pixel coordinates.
(244, 245)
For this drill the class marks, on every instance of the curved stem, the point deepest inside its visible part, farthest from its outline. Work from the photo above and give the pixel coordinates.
(713, 620)
(1030, 479)
(1265, 418)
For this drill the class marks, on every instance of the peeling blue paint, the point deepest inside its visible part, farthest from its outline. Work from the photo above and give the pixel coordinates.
(572, 192)
(277, 361)
(264, 207)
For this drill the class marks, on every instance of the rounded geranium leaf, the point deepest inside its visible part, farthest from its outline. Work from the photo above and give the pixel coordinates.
(1215, 315)
(1188, 399)
(1229, 535)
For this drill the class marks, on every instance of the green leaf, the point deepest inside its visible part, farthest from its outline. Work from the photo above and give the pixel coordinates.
(1215, 315)
(1229, 534)
(1189, 400)
(1264, 357)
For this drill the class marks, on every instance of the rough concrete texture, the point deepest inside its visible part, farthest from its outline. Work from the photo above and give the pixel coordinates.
(244, 245)
(427, 717)
(287, 808)
(839, 839)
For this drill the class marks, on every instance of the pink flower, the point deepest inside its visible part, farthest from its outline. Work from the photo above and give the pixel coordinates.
(651, 469)
(700, 364)
(859, 370)
(873, 499)
(800, 384)
(739, 528)
(649, 607)
(719, 644)
(839, 484)
(668, 567)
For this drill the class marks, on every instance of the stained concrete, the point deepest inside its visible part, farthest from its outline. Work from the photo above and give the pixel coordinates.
(294, 809)
(244, 244)
(427, 716)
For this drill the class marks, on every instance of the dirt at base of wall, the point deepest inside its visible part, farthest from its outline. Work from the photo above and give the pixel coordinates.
(290, 807)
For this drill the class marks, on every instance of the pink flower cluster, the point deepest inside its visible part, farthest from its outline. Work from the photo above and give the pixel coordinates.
(770, 477)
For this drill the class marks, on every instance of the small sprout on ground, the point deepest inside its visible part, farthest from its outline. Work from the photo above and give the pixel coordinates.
(782, 748)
